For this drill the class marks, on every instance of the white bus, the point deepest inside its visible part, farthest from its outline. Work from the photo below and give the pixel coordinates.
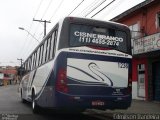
(81, 63)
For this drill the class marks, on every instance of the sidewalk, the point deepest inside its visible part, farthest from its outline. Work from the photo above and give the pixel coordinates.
(141, 107)
(138, 107)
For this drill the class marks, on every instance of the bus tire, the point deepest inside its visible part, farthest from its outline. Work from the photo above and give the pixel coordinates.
(35, 107)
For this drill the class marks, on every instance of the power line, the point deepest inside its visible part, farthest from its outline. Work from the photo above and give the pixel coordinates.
(39, 5)
(95, 8)
(76, 7)
(38, 8)
(114, 7)
(92, 4)
(29, 49)
(47, 8)
(42, 15)
(21, 51)
(21, 28)
(39, 22)
(103, 8)
(40, 35)
(56, 9)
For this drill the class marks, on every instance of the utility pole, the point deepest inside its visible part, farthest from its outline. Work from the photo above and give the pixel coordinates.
(20, 69)
(44, 21)
(20, 60)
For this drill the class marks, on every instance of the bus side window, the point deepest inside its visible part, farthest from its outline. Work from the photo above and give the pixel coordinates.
(32, 61)
(26, 66)
(38, 54)
(52, 45)
(41, 55)
(29, 64)
(47, 49)
(35, 57)
(55, 41)
(44, 52)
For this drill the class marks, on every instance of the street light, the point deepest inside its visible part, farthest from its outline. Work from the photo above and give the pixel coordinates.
(21, 28)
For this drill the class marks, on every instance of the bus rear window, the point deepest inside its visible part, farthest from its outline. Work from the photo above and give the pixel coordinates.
(83, 35)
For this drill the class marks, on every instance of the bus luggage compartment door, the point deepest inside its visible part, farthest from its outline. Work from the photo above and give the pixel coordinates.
(97, 77)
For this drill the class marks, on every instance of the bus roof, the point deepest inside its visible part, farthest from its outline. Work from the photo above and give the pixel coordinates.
(89, 21)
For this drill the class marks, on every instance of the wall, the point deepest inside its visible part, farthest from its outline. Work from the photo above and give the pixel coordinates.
(151, 19)
(146, 17)
(135, 63)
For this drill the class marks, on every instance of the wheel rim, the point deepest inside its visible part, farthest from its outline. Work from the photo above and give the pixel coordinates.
(33, 104)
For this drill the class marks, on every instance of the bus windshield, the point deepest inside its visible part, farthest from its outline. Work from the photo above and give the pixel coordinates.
(85, 35)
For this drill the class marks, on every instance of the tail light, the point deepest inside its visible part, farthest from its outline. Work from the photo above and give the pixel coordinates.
(61, 83)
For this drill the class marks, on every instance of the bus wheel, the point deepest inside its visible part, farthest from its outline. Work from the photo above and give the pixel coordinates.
(35, 107)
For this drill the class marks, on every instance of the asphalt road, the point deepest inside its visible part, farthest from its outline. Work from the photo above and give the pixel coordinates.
(11, 108)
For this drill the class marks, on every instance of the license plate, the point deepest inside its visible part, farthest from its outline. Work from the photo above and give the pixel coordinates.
(97, 103)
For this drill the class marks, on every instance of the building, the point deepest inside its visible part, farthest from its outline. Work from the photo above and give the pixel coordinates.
(7, 74)
(144, 23)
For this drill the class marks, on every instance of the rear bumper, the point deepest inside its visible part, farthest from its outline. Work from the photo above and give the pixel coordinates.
(70, 102)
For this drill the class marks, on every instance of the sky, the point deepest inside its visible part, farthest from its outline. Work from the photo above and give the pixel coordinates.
(18, 44)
